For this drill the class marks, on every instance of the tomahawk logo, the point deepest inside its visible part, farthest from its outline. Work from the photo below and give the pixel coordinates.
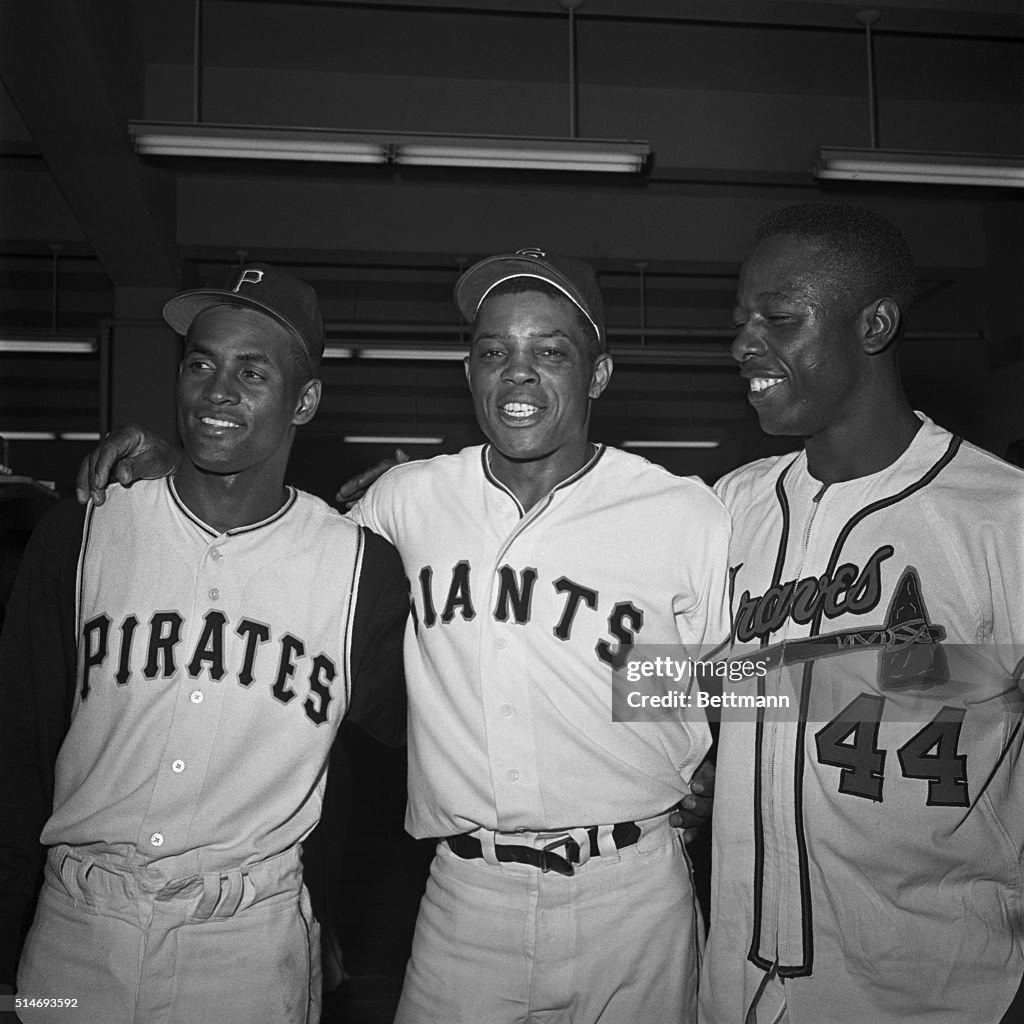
(910, 655)
(248, 276)
(537, 254)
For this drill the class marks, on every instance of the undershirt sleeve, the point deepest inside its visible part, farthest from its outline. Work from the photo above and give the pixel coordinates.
(378, 699)
(37, 682)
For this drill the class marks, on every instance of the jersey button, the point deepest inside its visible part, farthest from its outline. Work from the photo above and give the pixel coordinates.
(196, 696)
(156, 839)
(501, 644)
(178, 766)
(513, 775)
(216, 555)
(506, 710)
(215, 594)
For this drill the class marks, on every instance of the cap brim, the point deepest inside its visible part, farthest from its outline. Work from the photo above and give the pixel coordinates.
(182, 309)
(477, 284)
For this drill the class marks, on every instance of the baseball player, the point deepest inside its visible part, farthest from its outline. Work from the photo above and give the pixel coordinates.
(174, 668)
(868, 841)
(559, 890)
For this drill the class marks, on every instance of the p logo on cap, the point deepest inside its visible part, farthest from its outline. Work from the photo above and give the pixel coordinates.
(248, 276)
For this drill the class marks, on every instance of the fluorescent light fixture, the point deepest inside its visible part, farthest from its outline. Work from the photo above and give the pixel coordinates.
(248, 142)
(526, 153)
(244, 143)
(62, 346)
(434, 354)
(388, 352)
(390, 439)
(49, 435)
(919, 168)
(671, 444)
(686, 354)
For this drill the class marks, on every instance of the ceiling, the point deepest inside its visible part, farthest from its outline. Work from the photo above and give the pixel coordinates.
(732, 96)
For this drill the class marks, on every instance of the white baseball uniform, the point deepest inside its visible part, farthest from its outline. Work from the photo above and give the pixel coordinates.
(518, 619)
(869, 841)
(200, 678)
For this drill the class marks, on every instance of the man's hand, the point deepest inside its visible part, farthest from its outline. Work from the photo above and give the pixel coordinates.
(695, 810)
(130, 453)
(355, 487)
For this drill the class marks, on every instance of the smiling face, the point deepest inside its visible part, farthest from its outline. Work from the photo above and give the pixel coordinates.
(239, 393)
(532, 377)
(799, 341)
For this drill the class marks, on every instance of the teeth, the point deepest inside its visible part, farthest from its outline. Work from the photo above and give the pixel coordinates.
(764, 383)
(211, 422)
(518, 409)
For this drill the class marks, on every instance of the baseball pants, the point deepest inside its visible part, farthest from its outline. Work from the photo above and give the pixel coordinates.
(238, 947)
(617, 942)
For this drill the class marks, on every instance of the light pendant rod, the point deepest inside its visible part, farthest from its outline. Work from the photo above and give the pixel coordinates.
(197, 65)
(55, 248)
(642, 267)
(867, 19)
(460, 262)
(572, 6)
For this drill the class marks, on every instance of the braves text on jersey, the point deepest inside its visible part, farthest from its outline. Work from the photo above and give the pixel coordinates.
(868, 847)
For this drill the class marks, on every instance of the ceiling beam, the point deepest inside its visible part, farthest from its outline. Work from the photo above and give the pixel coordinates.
(964, 18)
(61, 80)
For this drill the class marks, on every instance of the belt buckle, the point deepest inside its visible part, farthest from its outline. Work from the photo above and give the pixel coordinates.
(551, 861)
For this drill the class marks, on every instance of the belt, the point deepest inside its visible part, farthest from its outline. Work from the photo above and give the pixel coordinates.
(468, 847)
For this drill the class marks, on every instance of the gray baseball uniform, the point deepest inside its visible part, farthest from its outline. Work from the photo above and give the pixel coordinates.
(519, 618)
(200, 678)
(868, 841)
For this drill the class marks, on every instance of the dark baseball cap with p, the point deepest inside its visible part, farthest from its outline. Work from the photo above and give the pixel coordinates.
(575, 279)
(286, 299)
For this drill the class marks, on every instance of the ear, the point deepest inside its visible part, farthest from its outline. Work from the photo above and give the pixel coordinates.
(465, 366)
(881, 320)
(600, 376)
(306, 406)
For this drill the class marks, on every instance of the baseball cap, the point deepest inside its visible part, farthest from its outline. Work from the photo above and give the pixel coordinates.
(273, 291)
(572, 277)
